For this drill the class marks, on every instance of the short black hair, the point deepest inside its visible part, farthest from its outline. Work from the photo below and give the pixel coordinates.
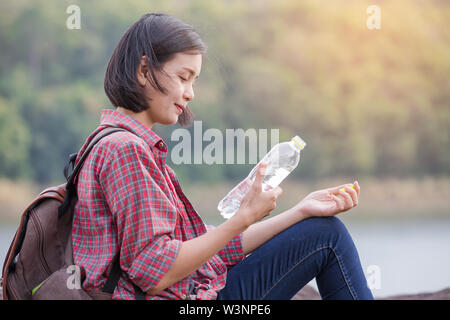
(159, 37)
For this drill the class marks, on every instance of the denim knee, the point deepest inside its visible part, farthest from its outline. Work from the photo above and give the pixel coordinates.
(332, 227)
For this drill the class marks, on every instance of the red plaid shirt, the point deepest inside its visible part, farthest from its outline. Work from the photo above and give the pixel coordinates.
(130, 203)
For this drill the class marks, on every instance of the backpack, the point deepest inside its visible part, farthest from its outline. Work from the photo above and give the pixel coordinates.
(39, 264)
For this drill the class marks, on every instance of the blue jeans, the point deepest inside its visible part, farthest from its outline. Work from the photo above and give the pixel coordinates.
(318, 248)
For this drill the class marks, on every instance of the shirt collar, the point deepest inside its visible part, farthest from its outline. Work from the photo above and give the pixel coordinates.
(113, 118)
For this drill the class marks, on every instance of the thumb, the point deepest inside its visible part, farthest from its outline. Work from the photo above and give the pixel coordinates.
(260, 173)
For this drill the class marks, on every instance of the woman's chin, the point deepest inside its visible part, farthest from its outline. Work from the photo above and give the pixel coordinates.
(169, 121)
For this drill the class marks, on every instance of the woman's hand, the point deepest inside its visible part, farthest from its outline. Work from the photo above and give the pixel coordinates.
(329, 202)
(257, 204)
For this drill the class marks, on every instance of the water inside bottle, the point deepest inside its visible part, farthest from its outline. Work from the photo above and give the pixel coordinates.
(274, 177)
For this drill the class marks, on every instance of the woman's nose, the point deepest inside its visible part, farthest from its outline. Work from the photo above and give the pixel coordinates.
(189, 94)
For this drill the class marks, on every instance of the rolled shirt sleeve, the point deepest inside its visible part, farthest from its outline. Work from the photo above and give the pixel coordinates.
(145, 218)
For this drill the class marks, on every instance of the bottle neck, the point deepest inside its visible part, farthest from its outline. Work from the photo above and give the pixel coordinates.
(299, 143)
(295, 146)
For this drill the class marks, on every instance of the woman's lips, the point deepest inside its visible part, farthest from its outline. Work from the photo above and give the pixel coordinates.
(179, 107)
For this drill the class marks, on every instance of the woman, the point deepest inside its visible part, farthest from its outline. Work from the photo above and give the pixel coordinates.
(131, 204)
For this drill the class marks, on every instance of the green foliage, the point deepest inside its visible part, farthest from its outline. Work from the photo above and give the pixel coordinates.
(15, 140)
(368, 103)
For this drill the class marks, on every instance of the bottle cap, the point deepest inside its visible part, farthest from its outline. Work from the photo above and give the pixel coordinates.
(299, 141)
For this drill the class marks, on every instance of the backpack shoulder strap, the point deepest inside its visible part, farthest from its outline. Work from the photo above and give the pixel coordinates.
(73, 178)
(100, 135)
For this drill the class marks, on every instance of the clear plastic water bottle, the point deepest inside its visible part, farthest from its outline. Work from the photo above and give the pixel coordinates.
(281, 160)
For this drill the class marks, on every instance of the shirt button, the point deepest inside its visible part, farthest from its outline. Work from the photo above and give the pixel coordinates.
(160, 145)
(183, 296)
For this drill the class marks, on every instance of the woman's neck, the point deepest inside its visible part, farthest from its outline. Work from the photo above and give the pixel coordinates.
(142, 117)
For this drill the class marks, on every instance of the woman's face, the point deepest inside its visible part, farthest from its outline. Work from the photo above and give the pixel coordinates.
(182, 71)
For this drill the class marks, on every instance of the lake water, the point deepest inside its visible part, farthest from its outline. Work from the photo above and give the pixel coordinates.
(399, 257)
(410, 256)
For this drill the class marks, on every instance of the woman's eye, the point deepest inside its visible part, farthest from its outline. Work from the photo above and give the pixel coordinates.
(184, 79)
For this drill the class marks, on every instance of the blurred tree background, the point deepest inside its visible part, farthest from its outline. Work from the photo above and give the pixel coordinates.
(369, 103)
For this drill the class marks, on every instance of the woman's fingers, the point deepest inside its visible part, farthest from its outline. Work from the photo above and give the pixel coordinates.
(273, 196)
(335, 190)
(348, 201)
(357, 187)
(350, 189)
(277, 191)
(259, 177)
(345, 196)
(339, 202)
(352, 192)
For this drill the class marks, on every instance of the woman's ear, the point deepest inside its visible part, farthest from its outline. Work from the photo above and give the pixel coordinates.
(142, 71)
